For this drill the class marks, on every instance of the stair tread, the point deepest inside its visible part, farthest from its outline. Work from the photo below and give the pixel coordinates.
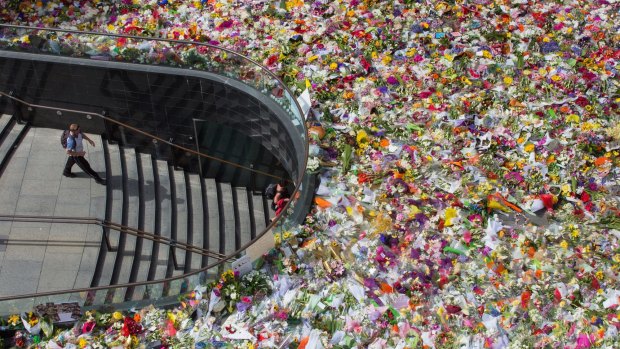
(8, 142)
(164, 198)
(259, 213)
(213, 215)
(229, 218)
(115, 182)
(197, 219)
(244, 215)
(5, 119)
(181, 212)
(131, 219)
(149, 216)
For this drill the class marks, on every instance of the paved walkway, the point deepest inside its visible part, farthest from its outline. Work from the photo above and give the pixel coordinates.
(44, 256)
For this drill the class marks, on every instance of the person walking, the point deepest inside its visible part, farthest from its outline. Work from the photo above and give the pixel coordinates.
(75, 152)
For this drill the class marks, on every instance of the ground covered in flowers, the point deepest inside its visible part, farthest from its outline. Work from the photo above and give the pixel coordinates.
(468, 153)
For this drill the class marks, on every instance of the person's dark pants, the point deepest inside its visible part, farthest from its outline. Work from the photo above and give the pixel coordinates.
(83, 164)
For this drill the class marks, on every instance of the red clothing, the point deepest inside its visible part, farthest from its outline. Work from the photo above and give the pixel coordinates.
(280, 205)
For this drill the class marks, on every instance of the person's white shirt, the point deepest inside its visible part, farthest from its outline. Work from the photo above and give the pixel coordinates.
(78, 142)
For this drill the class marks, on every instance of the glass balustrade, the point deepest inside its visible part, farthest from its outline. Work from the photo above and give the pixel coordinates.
(225, 64)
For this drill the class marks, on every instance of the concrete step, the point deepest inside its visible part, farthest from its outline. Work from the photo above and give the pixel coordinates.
(227, 217)
(148, 199)
(131, 210)
(165, 217)
(198, 229)
(11, 141)
(181, 214)
(259, 213)
(213, 222)
(96, 158)
(243, 214)
(114, 213)
(5, 120)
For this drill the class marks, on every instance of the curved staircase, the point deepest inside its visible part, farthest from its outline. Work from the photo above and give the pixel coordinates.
(142, 192)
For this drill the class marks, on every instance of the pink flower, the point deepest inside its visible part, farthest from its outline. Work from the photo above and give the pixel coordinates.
(584, 341)
(88, 326)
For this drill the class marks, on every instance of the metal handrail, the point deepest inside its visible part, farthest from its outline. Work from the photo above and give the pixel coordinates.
(137, 130)
(118, 227)
(242, 248)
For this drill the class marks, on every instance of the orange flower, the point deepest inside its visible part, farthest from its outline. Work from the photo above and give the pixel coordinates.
(386, 288)
(384, 142)
(601, 161)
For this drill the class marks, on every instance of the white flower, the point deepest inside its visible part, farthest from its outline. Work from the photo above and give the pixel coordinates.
(313, 164)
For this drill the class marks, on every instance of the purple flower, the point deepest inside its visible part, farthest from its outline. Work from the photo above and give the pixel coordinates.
(392, 80)
(243, 306)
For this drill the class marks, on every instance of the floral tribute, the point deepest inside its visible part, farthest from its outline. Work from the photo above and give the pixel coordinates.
(468, 153)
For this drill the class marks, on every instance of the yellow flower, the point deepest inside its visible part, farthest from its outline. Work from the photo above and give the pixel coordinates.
(277, 239)
(529, 147)
(566, 189)
(572, 118)
(14, 319)
(556, 78)
(333, 66)
(564, 244)
(587, 126)
(507, 80)
(542, 71)
(487, 54)
(286, 235)
(450, 214)
(411, 52)
(599, 275)
(386, 60)
(117, 315)
(362, 137)
(82, 342)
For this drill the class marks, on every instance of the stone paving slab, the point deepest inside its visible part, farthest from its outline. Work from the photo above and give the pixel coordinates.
(45, 256)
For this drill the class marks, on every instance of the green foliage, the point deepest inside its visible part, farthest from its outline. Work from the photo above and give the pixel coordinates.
(346, 158)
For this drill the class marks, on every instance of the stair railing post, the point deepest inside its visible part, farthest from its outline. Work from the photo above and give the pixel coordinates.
(17, 108)
(174, 254)
(105, 230)
(252, 183)
(107, 131)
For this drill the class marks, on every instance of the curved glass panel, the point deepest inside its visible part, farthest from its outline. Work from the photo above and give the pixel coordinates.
(181, 54)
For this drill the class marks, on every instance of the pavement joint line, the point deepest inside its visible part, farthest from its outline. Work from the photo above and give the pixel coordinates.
(4, 241)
